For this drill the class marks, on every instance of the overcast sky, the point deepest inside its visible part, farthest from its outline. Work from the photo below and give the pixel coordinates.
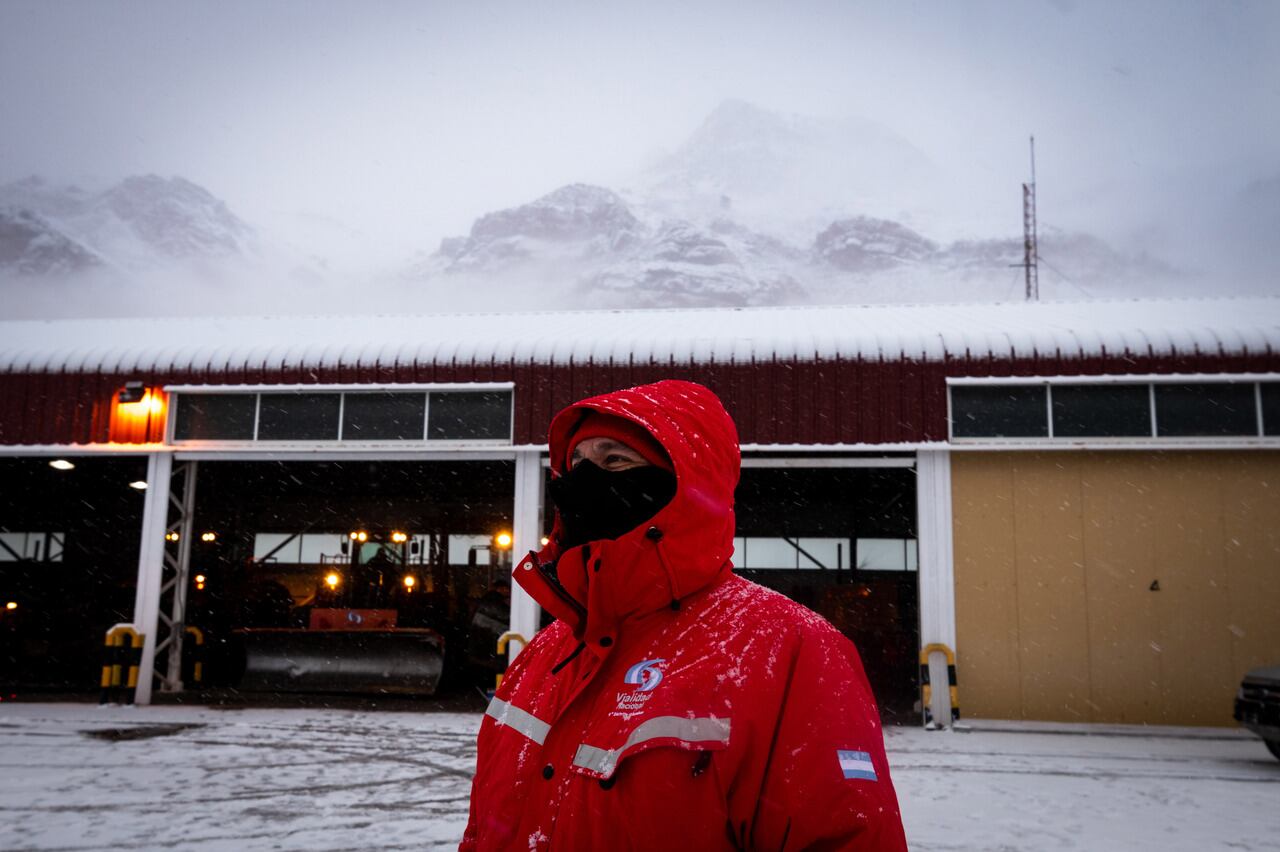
(409, 119)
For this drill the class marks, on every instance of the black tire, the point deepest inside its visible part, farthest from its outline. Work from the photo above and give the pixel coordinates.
(1273, 746)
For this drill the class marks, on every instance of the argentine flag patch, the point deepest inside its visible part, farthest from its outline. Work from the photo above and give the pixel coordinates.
(856, 764)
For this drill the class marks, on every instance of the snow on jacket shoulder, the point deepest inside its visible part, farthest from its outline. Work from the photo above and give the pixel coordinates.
(675, 705)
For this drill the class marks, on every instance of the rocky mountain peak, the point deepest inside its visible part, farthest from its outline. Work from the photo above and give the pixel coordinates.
(30, 245)
(574, 212)
(177, 217)
(864, 244)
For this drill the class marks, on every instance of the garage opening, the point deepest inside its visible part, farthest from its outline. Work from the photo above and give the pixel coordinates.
(68, 567)
(361, 577)
(842, 541)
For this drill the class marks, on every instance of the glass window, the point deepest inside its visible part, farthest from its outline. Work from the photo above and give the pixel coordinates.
(265, 543)
(1205, 409)
(805, 554)
(215, 416)
(383, 416)
(461, 546)
(1270, 408)
(471, 415)
(298, 417)
(1101, 411)
(999, 411)
(13, 546)
(887, 554)
(320, 547)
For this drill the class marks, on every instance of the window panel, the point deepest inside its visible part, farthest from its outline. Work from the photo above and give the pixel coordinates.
(383, 416)
(470, 415)
(1270, 408)
(215, 416)
(1205, 410)
(887, 554)
(770, 553)
(298, 417)
(828, 553)
(812, 554)
(264, 543)
(1101, 411)
(14, 546)
(460, 547)
(999, 411)
(319, 547)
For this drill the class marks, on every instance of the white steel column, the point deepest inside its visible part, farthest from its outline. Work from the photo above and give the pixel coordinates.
(146, 605)
(937, 569)
(526, 535)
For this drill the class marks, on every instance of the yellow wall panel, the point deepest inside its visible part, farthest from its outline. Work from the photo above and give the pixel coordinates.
(1251, 517)
(1055, 557)
(1119, 526)
(1192, 603)
(1053, 629)
(986, 584)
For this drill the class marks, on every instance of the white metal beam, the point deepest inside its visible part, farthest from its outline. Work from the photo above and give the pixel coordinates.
(526, 535)
(827, 461)
(146, 606)
(937, 568)
(408, 387)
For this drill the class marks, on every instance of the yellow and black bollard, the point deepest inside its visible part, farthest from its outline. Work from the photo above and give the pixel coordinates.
(122, 657)
(502, 649)
(927, 690)
(196, 654)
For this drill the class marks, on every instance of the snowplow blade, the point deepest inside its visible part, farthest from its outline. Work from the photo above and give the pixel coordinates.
(400, 662)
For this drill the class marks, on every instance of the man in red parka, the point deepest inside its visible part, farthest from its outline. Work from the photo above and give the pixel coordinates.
(672, 705)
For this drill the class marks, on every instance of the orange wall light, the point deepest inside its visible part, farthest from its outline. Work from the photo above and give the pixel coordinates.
(140, 422)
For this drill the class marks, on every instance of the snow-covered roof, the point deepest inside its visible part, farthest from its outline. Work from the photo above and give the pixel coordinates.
(927, 332)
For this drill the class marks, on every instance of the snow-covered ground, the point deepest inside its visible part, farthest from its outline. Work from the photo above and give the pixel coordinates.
(78, 777)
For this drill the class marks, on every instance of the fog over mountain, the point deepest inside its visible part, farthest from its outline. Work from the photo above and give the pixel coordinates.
(755, 208)
(232, 156)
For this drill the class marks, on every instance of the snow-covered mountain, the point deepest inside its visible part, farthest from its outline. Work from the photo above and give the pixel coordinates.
(135, 225)
(777, 172)
(754, 208)
(587, 246)
(575, 221)
(30, 245)
(584, 245)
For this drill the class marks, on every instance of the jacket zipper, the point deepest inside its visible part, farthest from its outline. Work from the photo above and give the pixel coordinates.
(654, 534)
(544, 569)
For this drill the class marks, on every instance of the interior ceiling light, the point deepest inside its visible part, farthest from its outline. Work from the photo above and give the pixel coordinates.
(61, 464)
(139, 484)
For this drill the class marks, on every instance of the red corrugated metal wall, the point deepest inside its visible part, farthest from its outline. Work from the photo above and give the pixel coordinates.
(841, 401)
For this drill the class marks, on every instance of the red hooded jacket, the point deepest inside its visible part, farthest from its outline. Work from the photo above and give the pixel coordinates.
(672, 704)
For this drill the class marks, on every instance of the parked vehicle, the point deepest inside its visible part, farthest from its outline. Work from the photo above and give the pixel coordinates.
(1258, 705)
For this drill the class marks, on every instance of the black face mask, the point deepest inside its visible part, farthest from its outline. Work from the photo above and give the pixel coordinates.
(596, 503)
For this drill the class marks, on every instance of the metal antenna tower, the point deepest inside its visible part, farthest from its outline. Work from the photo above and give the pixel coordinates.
(1030, 253)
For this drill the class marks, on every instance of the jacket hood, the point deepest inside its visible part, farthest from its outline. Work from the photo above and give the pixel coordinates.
(683, 549)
